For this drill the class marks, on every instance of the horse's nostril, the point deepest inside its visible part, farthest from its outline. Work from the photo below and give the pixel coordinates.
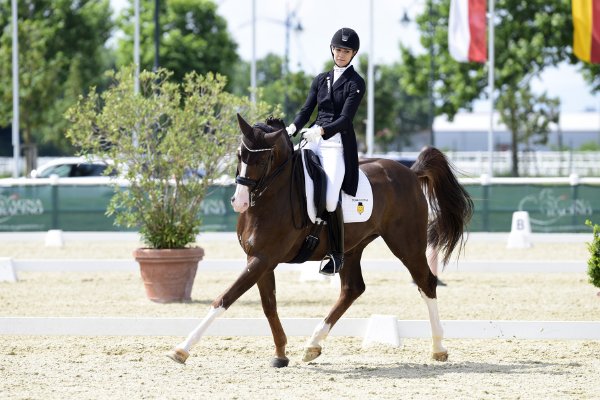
(232, 199)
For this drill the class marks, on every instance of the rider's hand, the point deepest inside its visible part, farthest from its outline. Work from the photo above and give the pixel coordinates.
(312, 134)
(291, 129)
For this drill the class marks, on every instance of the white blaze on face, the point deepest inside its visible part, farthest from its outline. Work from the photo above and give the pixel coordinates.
(241, 197)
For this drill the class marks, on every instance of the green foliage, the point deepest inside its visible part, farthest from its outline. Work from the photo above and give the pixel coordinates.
(193, 38)
(287, 92)
(594, 260)
(529, 36)
(590, 146)
(155, 139)
(61, 52)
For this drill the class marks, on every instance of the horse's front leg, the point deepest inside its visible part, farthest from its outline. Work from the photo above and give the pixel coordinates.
(268, 297)
(352, 286)
(248, 278)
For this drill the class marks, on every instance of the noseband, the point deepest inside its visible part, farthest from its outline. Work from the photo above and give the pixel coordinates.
(259, 186)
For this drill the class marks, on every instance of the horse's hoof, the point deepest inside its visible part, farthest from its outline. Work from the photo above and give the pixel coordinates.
(280, 362)
(441, 356)
(310, 353)
(178, 355)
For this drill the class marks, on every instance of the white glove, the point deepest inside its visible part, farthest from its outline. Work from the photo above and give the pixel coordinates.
(312, 134)
(291, 129)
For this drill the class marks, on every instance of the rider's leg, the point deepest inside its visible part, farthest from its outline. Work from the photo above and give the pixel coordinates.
(332, 155)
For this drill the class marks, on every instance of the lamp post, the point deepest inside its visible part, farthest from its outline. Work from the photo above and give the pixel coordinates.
(156, 35)
(405, 20)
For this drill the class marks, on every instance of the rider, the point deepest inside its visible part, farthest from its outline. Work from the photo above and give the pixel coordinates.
(331, 136)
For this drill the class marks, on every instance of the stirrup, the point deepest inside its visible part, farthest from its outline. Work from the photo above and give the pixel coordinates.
(331, 264)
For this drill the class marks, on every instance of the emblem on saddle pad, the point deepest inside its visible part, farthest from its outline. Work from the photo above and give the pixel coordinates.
(360, 207)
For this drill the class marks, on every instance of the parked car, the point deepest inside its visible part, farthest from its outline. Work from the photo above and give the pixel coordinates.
(72, 167)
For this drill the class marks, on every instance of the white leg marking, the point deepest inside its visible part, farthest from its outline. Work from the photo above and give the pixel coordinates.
(196, 334)
(319, 334)
(437, 333)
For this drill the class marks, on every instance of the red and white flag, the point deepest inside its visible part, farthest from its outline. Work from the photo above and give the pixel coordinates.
(466, 31)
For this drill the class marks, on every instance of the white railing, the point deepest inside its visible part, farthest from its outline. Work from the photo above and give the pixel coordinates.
(475, 163)
(542, 163)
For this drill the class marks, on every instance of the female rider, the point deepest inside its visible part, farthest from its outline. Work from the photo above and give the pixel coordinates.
(331, 136)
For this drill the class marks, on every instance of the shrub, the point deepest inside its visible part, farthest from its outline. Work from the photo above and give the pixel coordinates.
(594, 260)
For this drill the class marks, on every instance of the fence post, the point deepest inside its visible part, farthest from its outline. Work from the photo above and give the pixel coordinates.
(485, 183)
(574, 182)
(54, 197)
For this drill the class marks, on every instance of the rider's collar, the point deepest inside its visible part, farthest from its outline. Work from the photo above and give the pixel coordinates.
(338, 71)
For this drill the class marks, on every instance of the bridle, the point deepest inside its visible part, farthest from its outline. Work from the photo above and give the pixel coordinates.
(258, 186)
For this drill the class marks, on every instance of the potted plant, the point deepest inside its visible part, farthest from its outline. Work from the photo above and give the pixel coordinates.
(594, 260)
(168, 142)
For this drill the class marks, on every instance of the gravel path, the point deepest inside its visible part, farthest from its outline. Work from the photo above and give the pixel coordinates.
(237, 368)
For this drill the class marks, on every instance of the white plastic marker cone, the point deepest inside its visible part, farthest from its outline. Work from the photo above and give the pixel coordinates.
(520, 231)
(7, 270)
(54, 238)
(382, 329)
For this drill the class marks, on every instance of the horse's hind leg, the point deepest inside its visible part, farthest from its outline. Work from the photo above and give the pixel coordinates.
(266, 288)
(416, 263)
(352, 286)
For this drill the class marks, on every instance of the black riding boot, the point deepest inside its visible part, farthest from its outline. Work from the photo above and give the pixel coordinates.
(335, 228)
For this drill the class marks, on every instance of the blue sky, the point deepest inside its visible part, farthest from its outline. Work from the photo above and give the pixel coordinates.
(309, 48)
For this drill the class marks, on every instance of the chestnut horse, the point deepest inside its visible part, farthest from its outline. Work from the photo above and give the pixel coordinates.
(268, 234)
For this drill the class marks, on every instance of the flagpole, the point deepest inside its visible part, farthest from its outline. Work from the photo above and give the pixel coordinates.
(491, 88)
(15, 75)
(370, 87)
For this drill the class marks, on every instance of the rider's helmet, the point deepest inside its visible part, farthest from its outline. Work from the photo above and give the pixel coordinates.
(346, 38)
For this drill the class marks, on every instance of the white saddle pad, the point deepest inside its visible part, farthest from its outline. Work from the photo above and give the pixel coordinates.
(355, 209)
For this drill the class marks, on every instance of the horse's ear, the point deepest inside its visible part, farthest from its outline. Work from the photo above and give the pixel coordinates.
(244, 126)
(271, 138)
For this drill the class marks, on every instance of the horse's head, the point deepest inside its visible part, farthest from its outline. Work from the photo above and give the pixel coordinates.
(264, 152)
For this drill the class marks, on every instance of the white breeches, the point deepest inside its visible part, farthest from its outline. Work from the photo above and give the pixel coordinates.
(331, 155)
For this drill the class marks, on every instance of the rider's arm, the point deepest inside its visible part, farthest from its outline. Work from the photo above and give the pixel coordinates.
(309, 105)
(344, 121)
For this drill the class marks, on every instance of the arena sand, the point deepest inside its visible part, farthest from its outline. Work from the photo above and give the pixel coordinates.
(39, 367)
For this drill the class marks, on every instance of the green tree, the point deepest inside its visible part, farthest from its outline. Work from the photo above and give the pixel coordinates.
(193, 38)
(529, 36)
(61, 52)
(397, 114)
(289, 92)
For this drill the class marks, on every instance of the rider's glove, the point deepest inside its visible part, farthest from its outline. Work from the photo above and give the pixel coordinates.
(291, 129)
(312, 134)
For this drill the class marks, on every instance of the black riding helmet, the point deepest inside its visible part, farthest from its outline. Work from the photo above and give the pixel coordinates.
(345, 38)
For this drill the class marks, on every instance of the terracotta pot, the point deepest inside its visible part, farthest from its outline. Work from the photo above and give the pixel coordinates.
(168, 274)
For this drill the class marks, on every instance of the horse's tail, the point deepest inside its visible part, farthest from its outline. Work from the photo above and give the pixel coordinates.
(450, 205)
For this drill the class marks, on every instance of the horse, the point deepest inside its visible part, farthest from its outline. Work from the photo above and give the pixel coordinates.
(270, 235)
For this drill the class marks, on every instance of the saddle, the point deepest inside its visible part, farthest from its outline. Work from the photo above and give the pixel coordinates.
(307, 159)
(317, 174)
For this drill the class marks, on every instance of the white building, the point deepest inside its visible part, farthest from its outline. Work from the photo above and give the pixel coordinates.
(469, 132)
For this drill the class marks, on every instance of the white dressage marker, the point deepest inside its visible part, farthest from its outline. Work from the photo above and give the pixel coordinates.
(520, 231)
(7, 270)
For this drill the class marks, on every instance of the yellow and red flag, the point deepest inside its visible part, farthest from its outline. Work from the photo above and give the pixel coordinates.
(586, 30)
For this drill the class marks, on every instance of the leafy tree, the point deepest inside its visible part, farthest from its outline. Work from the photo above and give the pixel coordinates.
(61, 51)
(397, 114)
(529, 36)
(274, 88)
(193, 38)
(528, 117)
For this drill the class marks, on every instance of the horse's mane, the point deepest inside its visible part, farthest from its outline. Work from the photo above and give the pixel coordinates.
(271, 124)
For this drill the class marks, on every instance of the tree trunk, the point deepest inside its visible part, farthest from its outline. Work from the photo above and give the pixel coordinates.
(515, 153)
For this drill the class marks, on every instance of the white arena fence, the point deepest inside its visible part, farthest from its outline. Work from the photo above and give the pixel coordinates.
(372, 330)
(471, 163)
